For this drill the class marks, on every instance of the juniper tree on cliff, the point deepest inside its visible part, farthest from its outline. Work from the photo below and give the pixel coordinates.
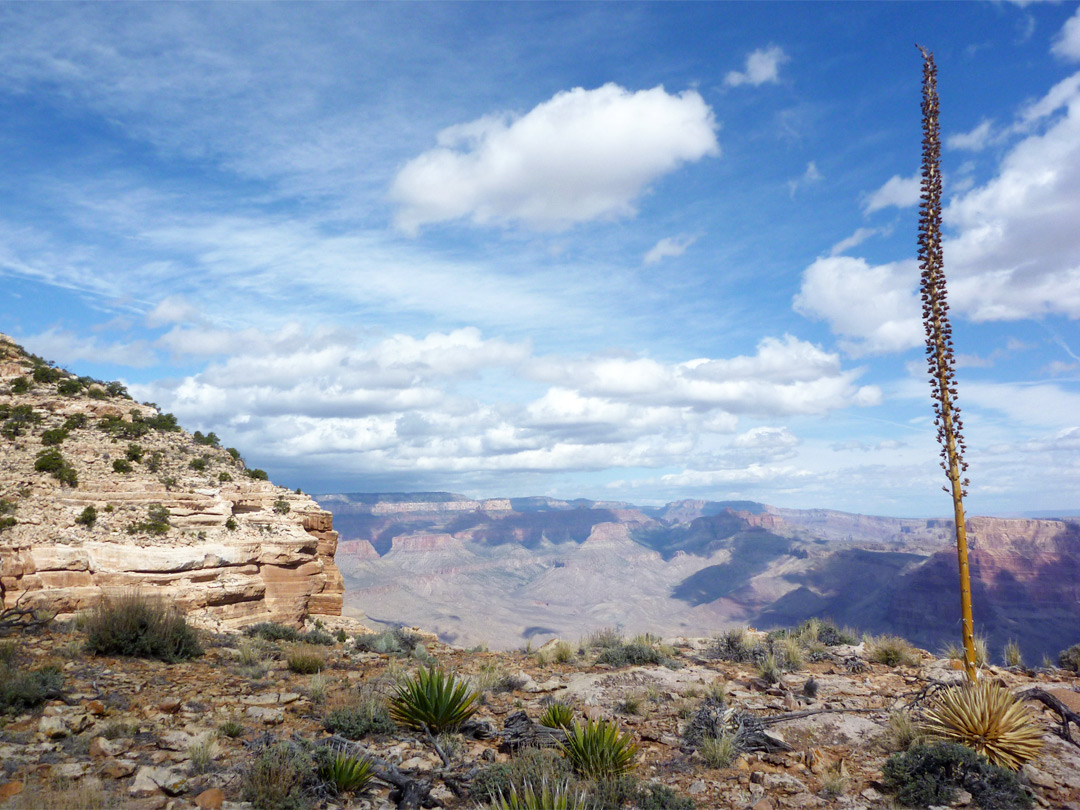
(939, 344)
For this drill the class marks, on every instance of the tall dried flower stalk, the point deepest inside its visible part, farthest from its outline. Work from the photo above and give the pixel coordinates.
(939, 345)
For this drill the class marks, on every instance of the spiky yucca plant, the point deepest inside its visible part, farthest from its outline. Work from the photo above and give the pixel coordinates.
(433, 698)
(986, 717)
(348, 774)
(557, 715)
(939, 344)
(599, 750)
(547, 797)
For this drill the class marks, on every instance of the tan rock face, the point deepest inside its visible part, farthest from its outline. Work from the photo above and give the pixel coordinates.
(235, 549)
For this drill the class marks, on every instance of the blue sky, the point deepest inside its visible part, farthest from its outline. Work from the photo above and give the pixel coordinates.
(618, 251)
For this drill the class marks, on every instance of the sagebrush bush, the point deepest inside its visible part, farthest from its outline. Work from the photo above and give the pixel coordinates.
(272, 631)
(599, 749)
(359, 716)
(632, 654)
(926, 775)
(433, 698)
(281, 776)
(531, 766)
(87, 517)
(737, 646)
(142, 627)
(1070, 658)
(22, 689)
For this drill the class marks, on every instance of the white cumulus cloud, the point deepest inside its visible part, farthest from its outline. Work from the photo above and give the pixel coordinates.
(762, 65)
(902, 192)
(1067, 44)
(580, 156)
(975, 140)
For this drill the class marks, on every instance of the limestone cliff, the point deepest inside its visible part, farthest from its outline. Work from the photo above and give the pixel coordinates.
(102, 494)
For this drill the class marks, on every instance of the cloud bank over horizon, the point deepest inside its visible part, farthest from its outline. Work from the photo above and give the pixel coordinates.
(578, 252)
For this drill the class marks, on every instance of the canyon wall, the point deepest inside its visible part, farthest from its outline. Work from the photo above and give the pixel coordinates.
(230, 548)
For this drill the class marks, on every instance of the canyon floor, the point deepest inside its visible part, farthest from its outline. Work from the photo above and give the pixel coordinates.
(146, 735)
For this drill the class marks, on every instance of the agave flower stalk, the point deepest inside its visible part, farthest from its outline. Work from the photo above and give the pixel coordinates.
(939, 344)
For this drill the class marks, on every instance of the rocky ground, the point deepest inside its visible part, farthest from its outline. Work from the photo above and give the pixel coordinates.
(141, 734)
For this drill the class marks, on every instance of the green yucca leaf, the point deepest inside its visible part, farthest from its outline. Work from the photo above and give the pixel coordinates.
(557, 715)
(547, 797)
(435, 699)
(599, 750)
(349, 774)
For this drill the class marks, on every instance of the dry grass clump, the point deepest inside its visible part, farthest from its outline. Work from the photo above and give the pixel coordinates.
(893, 651)
(306, 660)
(986, 717)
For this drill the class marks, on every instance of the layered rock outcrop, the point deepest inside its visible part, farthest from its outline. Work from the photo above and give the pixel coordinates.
(151, 508)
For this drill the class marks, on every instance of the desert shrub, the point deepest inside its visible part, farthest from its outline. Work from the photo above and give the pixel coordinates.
(317, 637)
(359, 716)
(45, 374)
(926, 775)
(157, 521)
(22, 689)
(52, 462)
(122, 429)
(119, 729)
(162, 422)
(231, 524)
(719, 752)
(305, 660)
(53, 437)
(74, 422)
(433, 698)
(224, 477)
(272, 631)
(532, 766)
(654, 796)
(281, 506)
(346, 773)
(199, 464)
(631, 704)
(87, 517)
(281, 776)
(134, 452)
(599, 750)
(893, 651)
(390, 642)
(1070, 658)
(7, 509)
(603, 638)
(557, 715)
(69, 387)
(121, 465)
(233, 452)
(20, 385)
(17, 420)
(116, 388)
(737, 646)
(142, 627)
(210, 439)
(986, 717)
(624, 655)
(257, 475)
